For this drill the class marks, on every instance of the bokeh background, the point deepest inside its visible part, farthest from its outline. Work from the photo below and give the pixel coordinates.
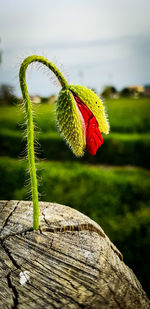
(104, 45)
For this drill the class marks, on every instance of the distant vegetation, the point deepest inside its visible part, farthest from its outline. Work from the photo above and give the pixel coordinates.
(7, 96)
(135, 91)
(125, 116)
(127, 143)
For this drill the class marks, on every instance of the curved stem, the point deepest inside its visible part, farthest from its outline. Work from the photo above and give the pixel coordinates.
(30, 127)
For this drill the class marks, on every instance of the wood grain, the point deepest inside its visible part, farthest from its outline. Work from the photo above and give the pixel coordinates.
(69, 263)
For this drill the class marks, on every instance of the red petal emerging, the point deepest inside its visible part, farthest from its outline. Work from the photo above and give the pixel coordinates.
(93, 135)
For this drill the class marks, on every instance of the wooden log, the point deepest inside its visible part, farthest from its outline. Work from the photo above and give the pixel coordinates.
(69, 263)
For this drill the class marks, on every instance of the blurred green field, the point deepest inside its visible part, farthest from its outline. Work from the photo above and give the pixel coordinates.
(129, 115)
(72, 183)
(127, 144)
(125, 115)
(118, 149)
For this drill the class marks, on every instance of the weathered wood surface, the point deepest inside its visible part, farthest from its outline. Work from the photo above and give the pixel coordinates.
(58, 268)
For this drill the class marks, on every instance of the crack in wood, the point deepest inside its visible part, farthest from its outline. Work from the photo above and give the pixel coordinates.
(14, 290)
(114, 295)
(121, 276)
(78, 227)
(72, 228)
(61, 274)
(11, 213)
(16, 234)
(9, 254)
(7, 251)
(113, 247)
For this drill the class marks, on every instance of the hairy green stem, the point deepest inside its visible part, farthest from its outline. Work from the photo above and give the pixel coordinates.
(30, 126)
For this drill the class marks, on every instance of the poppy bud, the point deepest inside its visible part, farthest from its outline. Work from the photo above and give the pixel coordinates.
(81, 119)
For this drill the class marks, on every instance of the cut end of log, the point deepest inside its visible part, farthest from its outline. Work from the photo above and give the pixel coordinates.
(69, 263)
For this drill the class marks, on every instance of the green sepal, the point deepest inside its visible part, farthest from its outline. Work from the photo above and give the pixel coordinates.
(69, 121)
(94, 103)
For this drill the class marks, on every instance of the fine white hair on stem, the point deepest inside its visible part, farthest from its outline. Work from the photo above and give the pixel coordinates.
(27, 184)
(24, 154)
(35, 148)
(61, 68)
(39, 67)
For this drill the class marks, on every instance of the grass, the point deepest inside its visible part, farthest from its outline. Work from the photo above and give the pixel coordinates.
(72, 183)
(118, 149)
(127, 143)
(129, 115)
(125, 115)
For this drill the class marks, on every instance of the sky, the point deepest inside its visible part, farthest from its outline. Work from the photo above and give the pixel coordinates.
(93, 42)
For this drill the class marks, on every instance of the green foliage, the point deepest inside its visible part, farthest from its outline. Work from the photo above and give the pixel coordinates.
(7, 96)
(12, 187)
(118, 149)
(125, 115)
(13, 117)
(108, 92)
(126, 92)
(72, 183)
(129, 115)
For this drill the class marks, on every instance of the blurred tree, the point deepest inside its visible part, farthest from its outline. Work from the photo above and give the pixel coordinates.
(132, 91)
(109, 92)
(126, 92)
(7, 96)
